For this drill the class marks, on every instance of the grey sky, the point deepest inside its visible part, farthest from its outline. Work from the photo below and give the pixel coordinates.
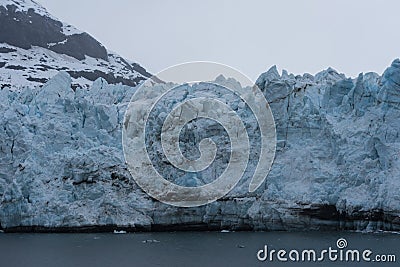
(299, 36)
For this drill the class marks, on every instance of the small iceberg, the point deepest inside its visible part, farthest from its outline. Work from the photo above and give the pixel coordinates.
(151, 241)
(119, 232)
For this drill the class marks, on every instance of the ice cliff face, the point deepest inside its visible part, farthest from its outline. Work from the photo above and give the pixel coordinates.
(337, 164)
(338, 147)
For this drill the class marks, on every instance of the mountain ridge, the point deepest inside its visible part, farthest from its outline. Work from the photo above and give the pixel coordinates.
(34, 45)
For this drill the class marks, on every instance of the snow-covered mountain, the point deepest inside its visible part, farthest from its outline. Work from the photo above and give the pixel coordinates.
(35, 46)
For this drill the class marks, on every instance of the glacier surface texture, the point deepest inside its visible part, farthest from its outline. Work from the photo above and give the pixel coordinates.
(337, 163)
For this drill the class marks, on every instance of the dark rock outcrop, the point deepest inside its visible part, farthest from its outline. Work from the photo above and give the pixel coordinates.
(26, 29)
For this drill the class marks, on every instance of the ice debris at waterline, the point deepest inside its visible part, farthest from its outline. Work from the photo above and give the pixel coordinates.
(337, 164)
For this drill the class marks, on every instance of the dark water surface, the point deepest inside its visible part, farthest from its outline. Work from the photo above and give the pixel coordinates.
(183, 248)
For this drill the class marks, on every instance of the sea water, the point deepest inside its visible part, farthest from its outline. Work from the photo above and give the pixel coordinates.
(196, 249)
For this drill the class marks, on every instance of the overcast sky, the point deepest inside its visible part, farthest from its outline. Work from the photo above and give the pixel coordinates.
(299, 36)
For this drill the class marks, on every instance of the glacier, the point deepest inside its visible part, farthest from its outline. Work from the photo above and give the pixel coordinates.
(337, 162)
